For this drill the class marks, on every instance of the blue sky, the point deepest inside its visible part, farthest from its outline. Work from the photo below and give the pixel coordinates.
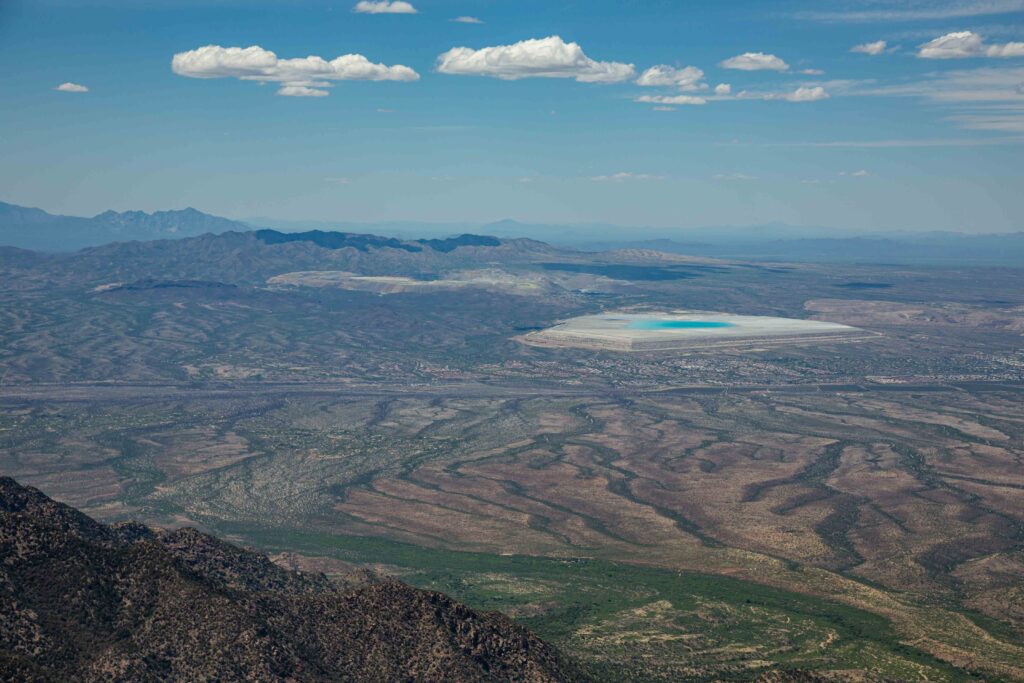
(923, 131)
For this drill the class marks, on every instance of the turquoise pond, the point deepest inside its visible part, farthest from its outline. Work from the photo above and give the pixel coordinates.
(677, 324)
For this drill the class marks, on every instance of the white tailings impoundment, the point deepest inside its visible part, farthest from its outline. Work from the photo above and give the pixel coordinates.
(686, 330)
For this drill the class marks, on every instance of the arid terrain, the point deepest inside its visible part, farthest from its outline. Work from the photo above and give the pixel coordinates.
(854, 509)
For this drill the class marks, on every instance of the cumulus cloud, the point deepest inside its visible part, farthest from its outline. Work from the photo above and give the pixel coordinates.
(549, 57)
(805, 94)
(299, 77)
(467, 20)
(723, 91)
(687, 78)
(962, 44)
(1005, 50)
(384, 7)
(812, 72)
(754, 61)
(802, 94)
(71, 87)
(300, 91)
(952, 46)
(623, 176)
(875, 48)
(671, 99)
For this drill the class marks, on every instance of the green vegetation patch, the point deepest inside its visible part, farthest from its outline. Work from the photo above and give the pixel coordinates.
(629, 622)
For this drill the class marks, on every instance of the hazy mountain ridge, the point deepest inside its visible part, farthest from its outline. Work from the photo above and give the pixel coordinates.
(30, 228)
(940, 248)
(252, 257)
(188, 222)
(83, 601)
(769, 241)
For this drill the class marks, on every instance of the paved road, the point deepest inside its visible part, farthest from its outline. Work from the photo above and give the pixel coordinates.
(118, 393)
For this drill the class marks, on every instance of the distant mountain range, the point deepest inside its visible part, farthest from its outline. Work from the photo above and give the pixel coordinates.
(250, 257)
(783, 242)
(83, 601)
(36, 229)
(767, 242)
(948, 249)
(28, 228)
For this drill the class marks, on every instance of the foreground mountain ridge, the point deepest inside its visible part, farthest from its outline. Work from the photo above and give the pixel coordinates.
(82, 601)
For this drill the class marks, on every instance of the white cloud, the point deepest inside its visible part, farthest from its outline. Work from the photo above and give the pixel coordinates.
(856, 174)
(71, 87)
(663, 108)
(300, 77)
(687, 78)
(962, 44)
(300, 91)
(671, 99)
(810, 92)
(549, 57)
(467, 20)
(812, 72)
(805, 94)
(733, 176)
(337, 181)
(754, 61)
(952, 45)
(623, 176)
(384, 7)
(875, 48)
(213, 61)
(844, 86)
(1005, 50)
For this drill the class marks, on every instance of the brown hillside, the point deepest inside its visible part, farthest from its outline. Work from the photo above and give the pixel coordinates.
(81, 601)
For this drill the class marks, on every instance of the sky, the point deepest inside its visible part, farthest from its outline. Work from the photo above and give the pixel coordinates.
(862, 115)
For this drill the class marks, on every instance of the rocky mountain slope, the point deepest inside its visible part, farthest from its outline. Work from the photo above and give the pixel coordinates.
(82, 601)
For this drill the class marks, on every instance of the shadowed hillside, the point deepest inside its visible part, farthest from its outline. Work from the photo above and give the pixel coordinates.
(83, 601)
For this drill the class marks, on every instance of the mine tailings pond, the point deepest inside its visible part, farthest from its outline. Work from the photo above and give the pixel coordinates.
(678, 325)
